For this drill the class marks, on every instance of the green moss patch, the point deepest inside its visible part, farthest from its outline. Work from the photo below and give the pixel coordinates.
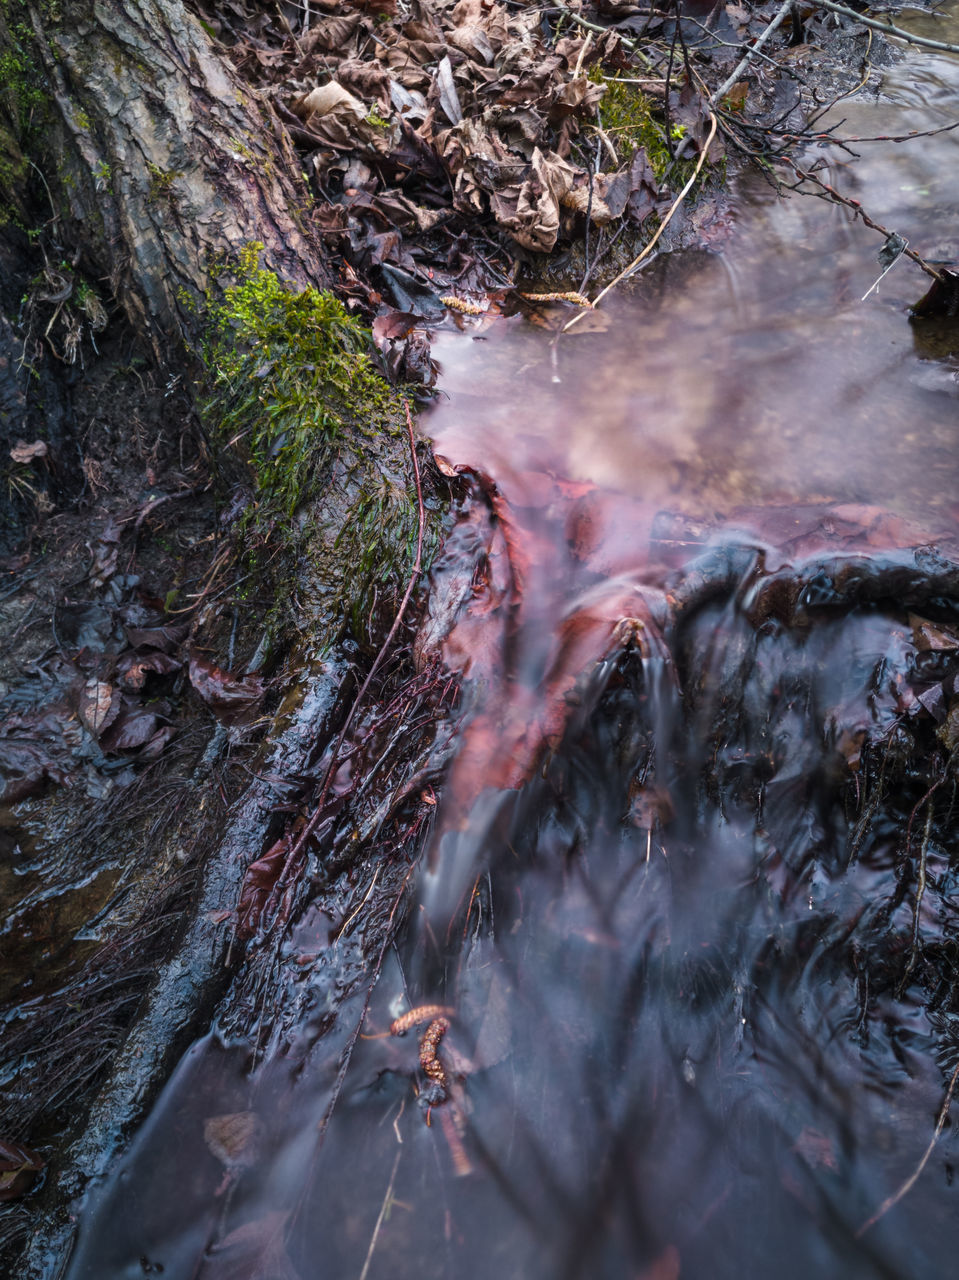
(293, 388)
(632, 120)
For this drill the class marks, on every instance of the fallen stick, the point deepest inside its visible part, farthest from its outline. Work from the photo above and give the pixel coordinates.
(860, 212)
(886, 28)
(659, 230)
(781, 15)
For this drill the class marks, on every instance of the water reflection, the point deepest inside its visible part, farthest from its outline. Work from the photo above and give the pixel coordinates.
(703, 1011)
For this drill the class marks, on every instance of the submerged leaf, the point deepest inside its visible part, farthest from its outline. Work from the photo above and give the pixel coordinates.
(255, 1251)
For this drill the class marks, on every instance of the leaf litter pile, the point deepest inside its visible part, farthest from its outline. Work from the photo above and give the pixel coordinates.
(463, 159)
(450, 147)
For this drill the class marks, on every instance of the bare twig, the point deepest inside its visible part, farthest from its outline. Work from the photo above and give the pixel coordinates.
(384, 1209)
(858, 210)
(920, 893)
(827, 136)
(781, 15)
(659, 230)
(911, 1181)
(886, 28)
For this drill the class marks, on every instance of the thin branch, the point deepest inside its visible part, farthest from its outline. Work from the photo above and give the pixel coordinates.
(911, 1181)
(877, 137)
(886, 27)
(659, 230)
(384, 1210)
(858, 210)
(781, 15)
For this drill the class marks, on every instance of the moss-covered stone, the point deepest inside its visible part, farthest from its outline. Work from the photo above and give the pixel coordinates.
(292, 386)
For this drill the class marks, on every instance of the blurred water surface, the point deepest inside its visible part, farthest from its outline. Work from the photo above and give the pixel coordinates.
(701, 947)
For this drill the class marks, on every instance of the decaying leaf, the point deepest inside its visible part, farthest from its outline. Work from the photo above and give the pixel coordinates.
(232, 698)
(99, 705)
(338, 118)
(927, 636)
(530, 211)
(233, 1138)
(255, 1251)
(258, 884)
(23, 452)
(19, 1167)
(328, 99)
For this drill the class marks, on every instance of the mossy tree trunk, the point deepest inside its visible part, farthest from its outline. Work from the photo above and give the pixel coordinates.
(157, 159)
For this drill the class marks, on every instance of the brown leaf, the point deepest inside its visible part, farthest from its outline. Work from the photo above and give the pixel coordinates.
(332, 34)
(530, 213)
(328, 99)
(99, 705)
(231, 697)
(23, 452)
(258, 884)
(167, 637)
(927, 636)
(393, 325)
(735, 99)
(233, 1138)
(134, 727)
(19, 1167)
(578, 97)
(816, 1149)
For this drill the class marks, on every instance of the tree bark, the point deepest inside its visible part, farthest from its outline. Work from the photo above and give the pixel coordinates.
(160, 162)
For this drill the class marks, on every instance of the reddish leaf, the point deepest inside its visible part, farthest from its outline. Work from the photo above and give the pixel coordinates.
(135, 727)
(258, 883)
(99, 705)
(230, 697)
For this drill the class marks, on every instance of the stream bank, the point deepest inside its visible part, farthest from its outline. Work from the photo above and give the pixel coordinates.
(296, 1006)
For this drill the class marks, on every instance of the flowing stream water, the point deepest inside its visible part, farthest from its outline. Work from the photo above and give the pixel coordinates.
(699, 845)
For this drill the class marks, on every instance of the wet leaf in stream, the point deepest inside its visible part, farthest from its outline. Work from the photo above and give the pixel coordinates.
(255, 1251)
(258, 884)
